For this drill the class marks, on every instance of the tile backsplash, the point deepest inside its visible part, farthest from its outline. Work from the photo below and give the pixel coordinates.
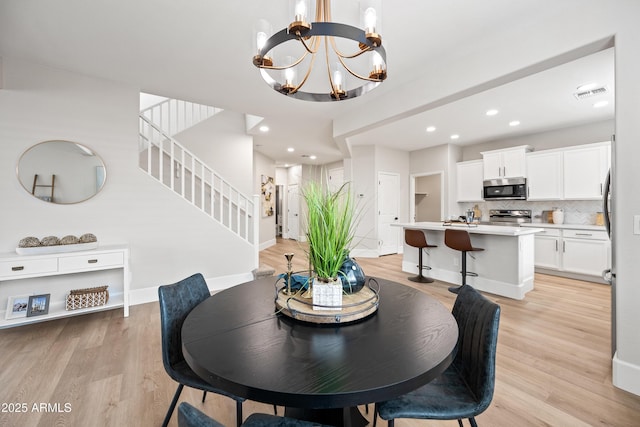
(575, 211)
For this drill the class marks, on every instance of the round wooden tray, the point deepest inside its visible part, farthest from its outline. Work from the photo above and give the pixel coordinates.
(354, 306)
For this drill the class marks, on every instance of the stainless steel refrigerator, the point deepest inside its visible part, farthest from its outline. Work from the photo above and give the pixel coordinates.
(610, 274)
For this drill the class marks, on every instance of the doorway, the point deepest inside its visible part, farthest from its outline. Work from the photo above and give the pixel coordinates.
(428, 192)
(388, 209)
(293, 213)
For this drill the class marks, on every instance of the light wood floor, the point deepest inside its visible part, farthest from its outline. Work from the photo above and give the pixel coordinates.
(553, 363)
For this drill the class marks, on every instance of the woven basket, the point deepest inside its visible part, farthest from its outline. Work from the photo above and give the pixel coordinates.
(90, 297)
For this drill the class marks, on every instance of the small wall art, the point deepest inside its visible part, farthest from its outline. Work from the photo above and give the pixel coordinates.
(268, 189)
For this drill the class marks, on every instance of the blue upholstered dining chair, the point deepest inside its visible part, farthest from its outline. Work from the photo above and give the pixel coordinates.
(465, 389)
(176, 301)
(188, 416)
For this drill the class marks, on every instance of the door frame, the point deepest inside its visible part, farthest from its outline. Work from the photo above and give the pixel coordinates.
(412, 193)
(398, 244)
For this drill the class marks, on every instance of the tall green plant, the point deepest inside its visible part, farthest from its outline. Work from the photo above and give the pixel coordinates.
(330, 227)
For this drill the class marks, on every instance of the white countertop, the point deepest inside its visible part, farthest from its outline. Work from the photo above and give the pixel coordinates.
(498, 230)
(565, 226)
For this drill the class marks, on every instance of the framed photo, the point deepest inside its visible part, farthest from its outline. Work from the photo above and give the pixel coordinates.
(17, 306)
(38, 305)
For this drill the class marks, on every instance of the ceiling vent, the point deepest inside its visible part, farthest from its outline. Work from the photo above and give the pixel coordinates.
(591, 92)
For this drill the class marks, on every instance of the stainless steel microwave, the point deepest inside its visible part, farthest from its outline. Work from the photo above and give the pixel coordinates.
(505, 189)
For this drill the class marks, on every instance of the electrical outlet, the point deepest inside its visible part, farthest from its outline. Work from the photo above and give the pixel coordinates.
(456, 261)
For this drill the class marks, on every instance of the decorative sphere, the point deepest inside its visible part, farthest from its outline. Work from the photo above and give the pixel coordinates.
(50, 241)
(69, 240)
(352, 276)
(29, 242)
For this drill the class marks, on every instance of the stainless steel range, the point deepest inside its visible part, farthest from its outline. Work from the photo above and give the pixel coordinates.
(513, 217)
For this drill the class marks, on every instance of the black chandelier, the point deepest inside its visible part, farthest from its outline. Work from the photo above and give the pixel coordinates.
(321, 37)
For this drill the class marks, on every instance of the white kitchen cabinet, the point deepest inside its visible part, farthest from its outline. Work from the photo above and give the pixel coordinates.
(585, 169)
(506, 163)
(469, 181)
(545, 178)
(585, 252)
(57, 273)
(547, 252)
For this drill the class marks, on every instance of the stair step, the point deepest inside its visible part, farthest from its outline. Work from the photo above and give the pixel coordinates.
(263, 270)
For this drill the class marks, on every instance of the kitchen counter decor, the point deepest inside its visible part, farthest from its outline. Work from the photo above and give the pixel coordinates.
(52, 244)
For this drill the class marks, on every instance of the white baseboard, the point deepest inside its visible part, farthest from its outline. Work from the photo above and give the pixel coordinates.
(267, 244)
(216, 284)
(626, 375)
(363, 253)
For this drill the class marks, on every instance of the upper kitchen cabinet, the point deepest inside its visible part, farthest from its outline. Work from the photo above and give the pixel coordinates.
(585, 169)
(545, 175)
(506, 163)
(469, 181)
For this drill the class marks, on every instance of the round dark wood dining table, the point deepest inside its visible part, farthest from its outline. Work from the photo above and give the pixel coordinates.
(236, 341)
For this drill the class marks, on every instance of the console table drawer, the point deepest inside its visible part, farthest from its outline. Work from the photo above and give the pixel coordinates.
(10, 269)
(90, 262)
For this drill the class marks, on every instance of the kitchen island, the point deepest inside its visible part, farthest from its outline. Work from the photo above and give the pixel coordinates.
(505, 267)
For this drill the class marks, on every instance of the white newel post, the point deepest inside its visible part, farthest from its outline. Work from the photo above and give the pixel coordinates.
(256, 230)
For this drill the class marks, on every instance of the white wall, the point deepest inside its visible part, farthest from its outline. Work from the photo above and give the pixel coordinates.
(169, 239)
(364, 165)
(556, 138)
(223, 145)
(439, 159)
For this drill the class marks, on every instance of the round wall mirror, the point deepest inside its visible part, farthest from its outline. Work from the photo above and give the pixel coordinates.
(62, 172)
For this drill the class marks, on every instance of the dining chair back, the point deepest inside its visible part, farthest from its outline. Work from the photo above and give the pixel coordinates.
(188, 416)
(465, 389)
(176, 302)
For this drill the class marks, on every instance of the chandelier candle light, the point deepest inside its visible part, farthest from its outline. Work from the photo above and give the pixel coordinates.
(367, 62)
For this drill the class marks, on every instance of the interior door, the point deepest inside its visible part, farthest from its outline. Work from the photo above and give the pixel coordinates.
(293, 212)
(336, 178)
(388, 211)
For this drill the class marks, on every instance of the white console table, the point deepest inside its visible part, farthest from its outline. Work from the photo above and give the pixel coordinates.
(57, 273)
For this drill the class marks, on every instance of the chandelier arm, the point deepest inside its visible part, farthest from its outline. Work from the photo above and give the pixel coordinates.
(310, 50)
(342, 55)
(284, 67)
(306, 76)
(326, 54)
(356, 75)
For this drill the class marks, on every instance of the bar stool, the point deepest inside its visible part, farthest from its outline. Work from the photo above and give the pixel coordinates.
(417, 239)
(459, 240)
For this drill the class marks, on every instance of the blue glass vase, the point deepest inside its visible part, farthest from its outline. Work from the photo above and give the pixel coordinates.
(352, 276)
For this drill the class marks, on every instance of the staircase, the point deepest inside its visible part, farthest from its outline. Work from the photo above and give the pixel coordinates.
(178, 169)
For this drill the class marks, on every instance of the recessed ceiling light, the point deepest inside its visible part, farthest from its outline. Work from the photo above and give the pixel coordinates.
(286, 165)
(291, 149)
(586, 86)
(491, 112)
(431, 129)
(264, 128)
(514, 123)
(312, 157)
(455, 136)
(600, 104)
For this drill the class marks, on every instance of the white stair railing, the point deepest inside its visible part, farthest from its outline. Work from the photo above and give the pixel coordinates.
(177, 168)
(173, 116)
